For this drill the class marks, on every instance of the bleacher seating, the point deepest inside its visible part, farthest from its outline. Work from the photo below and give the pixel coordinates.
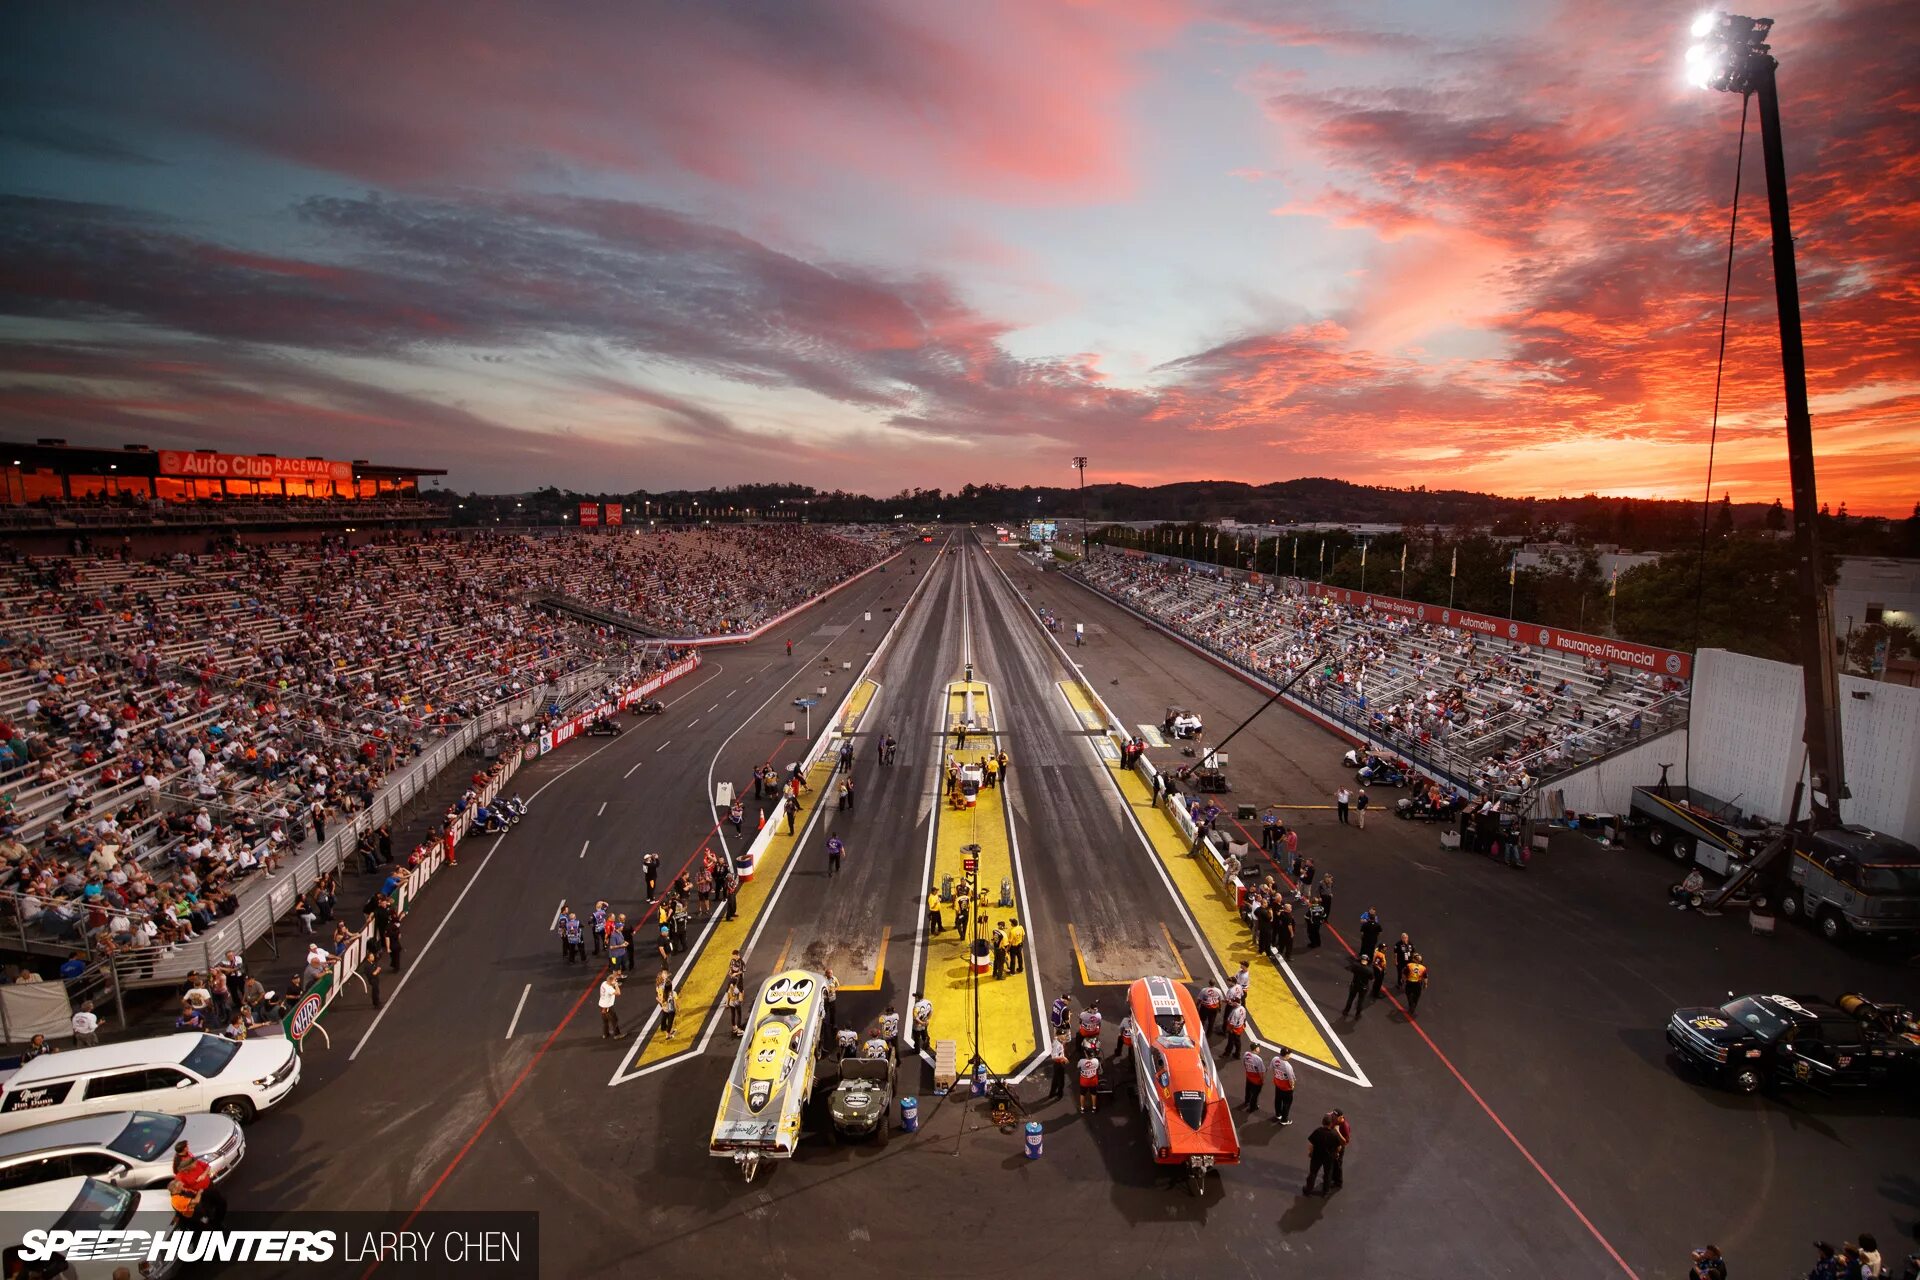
(169, 729)
(704, 581)
(1498, 717)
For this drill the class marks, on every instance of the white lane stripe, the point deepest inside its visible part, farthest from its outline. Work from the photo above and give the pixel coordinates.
(662, 747)
(1358, 1074)
(447, 919)
(731, 692)
(584, 845)
(603, 803)
(621, 1074)
(524, 993)
(693, 722)
(629, 773)
(714, 707)
(557, 913)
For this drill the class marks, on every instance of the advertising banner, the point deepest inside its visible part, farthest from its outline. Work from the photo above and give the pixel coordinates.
(569, 729)
(616, 514)
(589, 514)
(248, 466)
(1624, 653)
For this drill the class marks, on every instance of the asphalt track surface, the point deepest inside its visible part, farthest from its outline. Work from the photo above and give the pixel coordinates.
(1530, 1124)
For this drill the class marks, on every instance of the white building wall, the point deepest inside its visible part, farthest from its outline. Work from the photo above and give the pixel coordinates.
(1746, 722)
(1881, 733)
(1607, 787)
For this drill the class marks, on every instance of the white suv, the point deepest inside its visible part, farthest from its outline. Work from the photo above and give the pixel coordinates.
(176, 1075)
(76, 1204)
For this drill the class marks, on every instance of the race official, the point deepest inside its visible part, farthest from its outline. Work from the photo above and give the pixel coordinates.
(1057, 1058)
(1283, 1084)
(1211, 998)
(830, 997)
(609, 1016)
(922, 1021)
(1090, 1083)
(1416, 983)
(1256, 1069)
(1016, 947)
(1236, 1027)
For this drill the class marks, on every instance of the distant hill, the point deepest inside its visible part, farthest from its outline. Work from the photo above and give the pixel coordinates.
(1644, 524)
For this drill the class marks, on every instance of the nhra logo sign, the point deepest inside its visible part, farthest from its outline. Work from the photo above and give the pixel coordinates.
(305, 1014)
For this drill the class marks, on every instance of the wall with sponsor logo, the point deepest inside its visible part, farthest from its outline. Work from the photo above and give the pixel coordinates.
(1624, 653)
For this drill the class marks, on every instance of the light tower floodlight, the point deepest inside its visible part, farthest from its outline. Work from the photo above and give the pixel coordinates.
(1731, 54)
(1080, 465)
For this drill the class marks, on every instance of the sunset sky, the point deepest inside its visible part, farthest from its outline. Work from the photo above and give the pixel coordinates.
(883, 243)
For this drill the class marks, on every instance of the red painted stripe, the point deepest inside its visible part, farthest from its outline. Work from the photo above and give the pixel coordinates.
(485, 1124)
(1521, 1147)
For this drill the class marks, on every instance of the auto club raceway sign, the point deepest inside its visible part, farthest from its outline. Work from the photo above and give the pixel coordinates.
(252, 466)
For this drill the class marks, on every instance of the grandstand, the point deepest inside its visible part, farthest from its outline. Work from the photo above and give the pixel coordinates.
(177, 727)
(719, 581)
(58, 497)
(1490, 716)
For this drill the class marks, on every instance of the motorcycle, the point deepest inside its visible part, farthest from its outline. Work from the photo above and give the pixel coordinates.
(515, 808)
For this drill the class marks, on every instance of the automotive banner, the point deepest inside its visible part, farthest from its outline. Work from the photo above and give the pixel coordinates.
(615, 513)
(1625, 653)
(589, 514)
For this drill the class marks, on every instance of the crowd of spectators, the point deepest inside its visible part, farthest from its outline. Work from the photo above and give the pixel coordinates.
(705, 581)
(1500, 717)
(170, 730)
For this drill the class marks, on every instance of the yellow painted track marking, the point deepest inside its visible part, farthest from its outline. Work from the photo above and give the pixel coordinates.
(1172, 951)
(1278, 1013)
(879, 966)
(857, 704)
(1009, 1028)
(702, 981)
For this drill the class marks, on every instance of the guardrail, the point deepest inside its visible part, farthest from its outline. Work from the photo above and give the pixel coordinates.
(1350, 715)
(159, 966)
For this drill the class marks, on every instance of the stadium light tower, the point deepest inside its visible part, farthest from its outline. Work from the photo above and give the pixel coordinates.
(1731, 54)
(1080, 465)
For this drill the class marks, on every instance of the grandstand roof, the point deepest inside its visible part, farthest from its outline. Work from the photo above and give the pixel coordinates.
(141, 460)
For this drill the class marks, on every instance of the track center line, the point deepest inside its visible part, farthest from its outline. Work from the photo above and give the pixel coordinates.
(584, 845)
(629, 773)
(557, 912)
(524, 993)
(603, 805)
(445, 920)
(663, 746)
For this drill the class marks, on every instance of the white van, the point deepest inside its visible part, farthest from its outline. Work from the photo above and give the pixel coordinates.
(76, 1204)
(175, 1075)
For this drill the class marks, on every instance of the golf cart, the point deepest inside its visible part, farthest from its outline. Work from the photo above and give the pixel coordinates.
(862, 1099)
(605, 727)
(1181, 723)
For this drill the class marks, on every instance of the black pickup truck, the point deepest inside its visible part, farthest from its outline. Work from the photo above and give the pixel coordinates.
(1758, 1041)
